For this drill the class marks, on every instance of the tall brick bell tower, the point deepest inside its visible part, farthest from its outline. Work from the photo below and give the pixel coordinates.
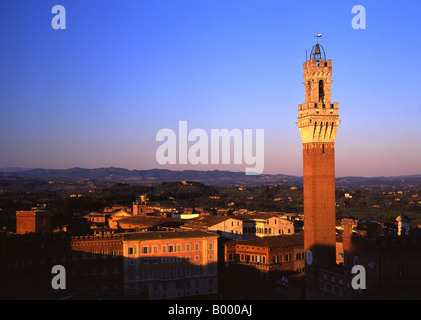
(318, 122)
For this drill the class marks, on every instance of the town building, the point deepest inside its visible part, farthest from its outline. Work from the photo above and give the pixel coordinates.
(245, 226)
(228, 227)
(146, 223)
(171, 264)
(139, 209)
(33, 221)
(93, 266)
(282, 252)
(272, 225)
(144, 265)
(139, 206)
(97, 218)
(254, 266)
(391, 265)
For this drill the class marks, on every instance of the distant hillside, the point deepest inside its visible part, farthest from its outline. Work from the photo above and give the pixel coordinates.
(23, 180)
(13, 169)
(408, 181)
(150, 176)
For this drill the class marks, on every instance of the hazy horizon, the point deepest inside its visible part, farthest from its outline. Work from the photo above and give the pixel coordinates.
(18, 169)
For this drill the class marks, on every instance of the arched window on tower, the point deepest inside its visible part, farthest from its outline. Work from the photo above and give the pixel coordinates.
(321, 91)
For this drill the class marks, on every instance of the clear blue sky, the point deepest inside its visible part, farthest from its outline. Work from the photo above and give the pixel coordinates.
(96, 94)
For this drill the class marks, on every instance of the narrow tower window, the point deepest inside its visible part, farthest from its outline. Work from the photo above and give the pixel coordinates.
(308, 91)
(321, 92)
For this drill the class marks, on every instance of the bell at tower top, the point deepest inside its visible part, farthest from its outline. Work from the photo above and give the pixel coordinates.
(318, 52)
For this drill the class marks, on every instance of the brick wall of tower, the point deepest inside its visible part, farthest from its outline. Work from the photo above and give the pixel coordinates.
(319, 201)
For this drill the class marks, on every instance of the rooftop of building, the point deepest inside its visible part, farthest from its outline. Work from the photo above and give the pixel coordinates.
(148, 220)
(173, 234)
(30, 213)
(270, 242)
(211, 220)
